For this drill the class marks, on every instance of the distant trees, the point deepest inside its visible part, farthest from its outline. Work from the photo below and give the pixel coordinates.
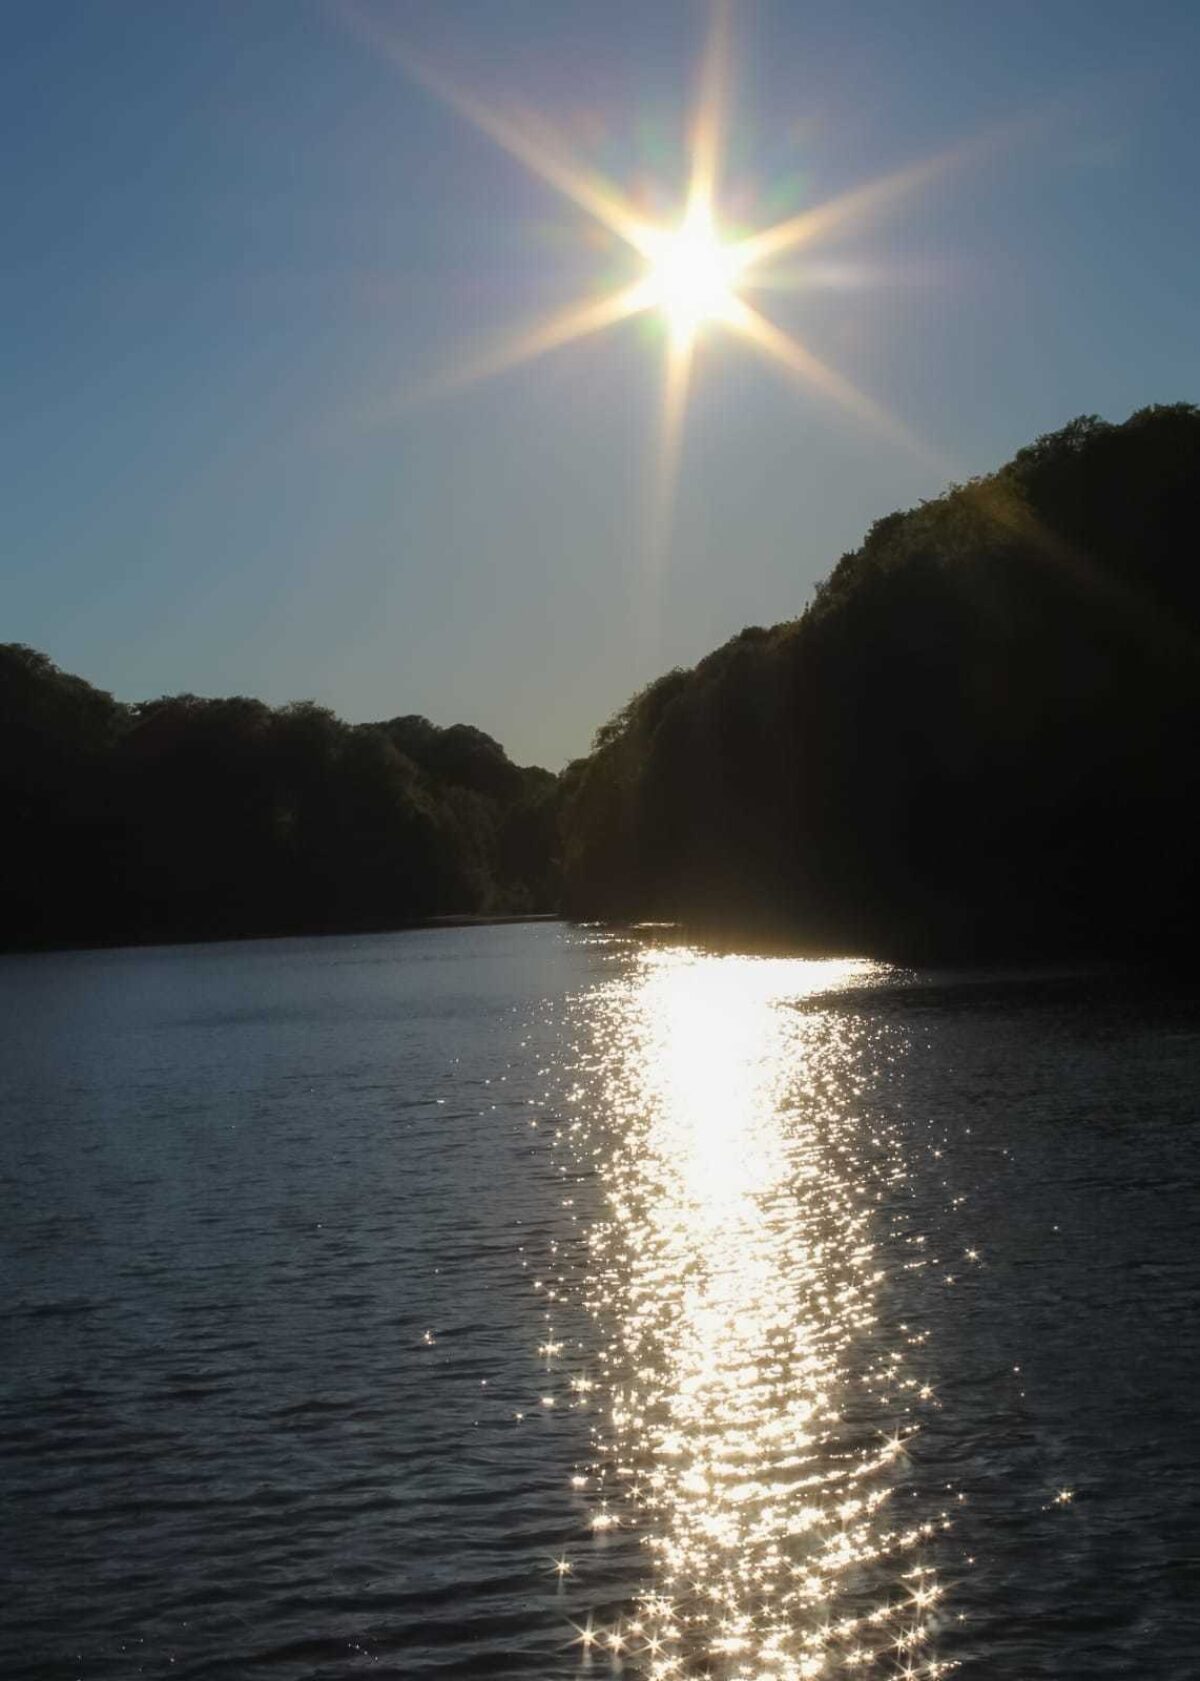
(980, 739)
(184, 817)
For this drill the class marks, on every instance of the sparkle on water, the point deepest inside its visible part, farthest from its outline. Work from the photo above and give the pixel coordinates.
(752, 1424)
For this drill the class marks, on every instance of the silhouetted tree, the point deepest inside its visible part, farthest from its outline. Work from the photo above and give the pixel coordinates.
(186, 817)
(979, 739)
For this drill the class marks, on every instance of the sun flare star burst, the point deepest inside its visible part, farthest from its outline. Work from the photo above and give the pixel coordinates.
(694, 275)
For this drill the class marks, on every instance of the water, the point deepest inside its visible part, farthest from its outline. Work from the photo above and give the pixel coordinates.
(534, 1302)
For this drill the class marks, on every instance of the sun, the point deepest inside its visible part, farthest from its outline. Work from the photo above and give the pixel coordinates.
(692, 275)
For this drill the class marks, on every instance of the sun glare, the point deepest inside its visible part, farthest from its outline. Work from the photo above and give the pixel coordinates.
(693, 275)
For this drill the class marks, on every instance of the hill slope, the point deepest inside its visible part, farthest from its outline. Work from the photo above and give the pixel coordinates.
(979, 740)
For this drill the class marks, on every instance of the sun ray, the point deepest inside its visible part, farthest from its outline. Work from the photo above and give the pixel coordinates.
(677, 374)
(861, 202)
(796, 357)
(818, 275)
(882, 194)
(576, 321)
(708, 123)
(531, 143)
(676, 382)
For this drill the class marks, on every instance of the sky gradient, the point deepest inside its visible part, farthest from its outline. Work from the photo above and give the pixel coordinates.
(241, 244)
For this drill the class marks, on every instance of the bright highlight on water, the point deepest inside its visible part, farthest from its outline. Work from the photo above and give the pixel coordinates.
(758, 1408)
(808, 1257)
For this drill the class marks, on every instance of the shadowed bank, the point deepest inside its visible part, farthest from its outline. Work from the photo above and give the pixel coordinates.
(978, 740)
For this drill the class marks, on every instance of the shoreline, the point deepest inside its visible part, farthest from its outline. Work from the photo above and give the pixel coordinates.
(464, 919)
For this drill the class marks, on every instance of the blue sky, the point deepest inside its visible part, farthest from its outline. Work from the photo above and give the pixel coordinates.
(236, 233)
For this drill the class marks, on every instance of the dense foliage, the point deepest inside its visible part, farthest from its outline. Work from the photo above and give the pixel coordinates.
(980, 739)
(184, 817)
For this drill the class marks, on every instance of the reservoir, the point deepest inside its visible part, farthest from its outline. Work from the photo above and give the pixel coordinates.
(553, 1302)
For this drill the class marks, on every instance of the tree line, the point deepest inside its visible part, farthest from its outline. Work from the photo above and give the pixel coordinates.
(980, 739)
(186, 818)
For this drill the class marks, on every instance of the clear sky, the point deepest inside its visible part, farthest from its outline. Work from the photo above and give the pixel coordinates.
(243, 246)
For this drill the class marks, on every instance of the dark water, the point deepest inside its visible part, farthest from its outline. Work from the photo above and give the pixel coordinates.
(520, 1301)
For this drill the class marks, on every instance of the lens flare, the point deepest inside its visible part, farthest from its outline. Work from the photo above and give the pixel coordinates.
(693, 275)
(690, 272)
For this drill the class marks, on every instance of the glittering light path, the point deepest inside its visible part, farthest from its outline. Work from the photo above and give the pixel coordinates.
(754, 1415)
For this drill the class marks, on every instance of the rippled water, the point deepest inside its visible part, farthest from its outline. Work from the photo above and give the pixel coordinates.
(535, 1302)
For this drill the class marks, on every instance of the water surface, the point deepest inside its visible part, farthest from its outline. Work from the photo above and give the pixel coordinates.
(538, 1302)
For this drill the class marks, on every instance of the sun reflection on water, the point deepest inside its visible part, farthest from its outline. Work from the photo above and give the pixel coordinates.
(755, 1423)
